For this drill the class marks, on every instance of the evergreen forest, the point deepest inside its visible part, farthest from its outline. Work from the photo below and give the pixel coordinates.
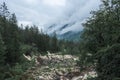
(98, 46)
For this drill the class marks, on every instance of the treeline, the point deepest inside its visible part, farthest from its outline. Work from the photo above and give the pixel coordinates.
(99, 45)
(16, 41)
(43, 42)
(100, 41)
(14, 37)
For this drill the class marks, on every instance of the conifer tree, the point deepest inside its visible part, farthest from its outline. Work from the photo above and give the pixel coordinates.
(100, 40)
(2, 58)
(2, 51)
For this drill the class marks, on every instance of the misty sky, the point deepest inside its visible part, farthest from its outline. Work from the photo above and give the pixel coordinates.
(44, 13)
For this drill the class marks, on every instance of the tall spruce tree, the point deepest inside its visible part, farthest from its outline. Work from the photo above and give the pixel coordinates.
(2, 51)
(54, 43)
(9, 32)
(2, 58)
(4, 10)
(13, 44)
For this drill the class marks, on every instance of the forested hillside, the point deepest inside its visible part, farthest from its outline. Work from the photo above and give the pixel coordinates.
(98, 48)
(16, 41)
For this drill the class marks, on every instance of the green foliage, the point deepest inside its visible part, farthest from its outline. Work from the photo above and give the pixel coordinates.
(28, 50)
(9, 32)
(100, 40)
(16, 72)
(4, 13)
(54, 43)
(31, 35)
(2, 57)
(109, 62)
(69, 47)
(16, 41)
(2, 51)
(10, 53)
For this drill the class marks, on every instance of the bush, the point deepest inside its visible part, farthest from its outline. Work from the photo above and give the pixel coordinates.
(108, 64)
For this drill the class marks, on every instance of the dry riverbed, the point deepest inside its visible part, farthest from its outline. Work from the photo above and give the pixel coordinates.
(57, 67)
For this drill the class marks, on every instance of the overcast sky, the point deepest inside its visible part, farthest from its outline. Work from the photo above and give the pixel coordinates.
(44, 13)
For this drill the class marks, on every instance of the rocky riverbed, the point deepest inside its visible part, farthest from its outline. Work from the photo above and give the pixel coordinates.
(57, 67)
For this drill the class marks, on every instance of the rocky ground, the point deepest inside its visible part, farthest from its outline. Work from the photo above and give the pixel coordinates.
(57, 67)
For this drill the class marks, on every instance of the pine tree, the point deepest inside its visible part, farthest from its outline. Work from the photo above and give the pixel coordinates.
(54, 43)
(2, 58)
(4, 11)
(2, 51)
(12, 42)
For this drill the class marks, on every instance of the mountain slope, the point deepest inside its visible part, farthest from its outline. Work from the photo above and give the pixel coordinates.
(65, 31)
(71, 36)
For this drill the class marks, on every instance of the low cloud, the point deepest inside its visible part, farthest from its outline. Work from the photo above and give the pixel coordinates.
(45, 13)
